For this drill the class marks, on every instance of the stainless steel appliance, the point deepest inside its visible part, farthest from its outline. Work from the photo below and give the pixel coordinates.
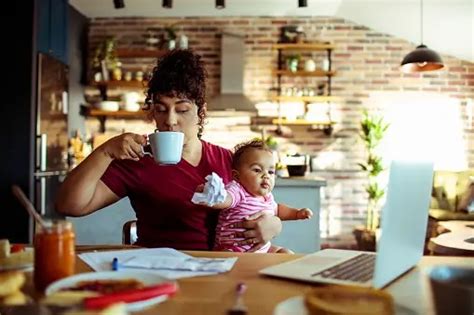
(51, 132)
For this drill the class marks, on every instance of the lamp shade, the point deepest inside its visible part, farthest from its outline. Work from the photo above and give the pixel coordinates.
(421, 59)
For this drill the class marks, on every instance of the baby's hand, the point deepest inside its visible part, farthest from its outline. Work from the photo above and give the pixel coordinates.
(304, 213)
(200, 188)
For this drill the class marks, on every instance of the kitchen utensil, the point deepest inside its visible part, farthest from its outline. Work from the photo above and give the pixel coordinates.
(239, 307)
(27, 205)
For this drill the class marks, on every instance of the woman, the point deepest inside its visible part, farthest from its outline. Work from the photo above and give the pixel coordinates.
(160, 195)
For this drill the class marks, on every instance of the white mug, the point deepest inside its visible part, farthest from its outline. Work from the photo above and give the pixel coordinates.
(166, 146)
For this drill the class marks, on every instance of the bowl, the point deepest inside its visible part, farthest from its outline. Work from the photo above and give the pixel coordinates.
(111, 106)
(296, 170)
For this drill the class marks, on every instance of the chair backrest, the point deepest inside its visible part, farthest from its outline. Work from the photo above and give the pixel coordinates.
(129, 232)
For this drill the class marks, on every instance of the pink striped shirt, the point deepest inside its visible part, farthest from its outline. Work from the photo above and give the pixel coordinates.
(243, 205)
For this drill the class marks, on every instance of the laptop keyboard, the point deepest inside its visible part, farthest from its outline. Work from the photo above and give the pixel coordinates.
(358, 269)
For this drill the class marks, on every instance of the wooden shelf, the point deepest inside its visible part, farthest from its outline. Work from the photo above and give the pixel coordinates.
(301, 73)
(301, 122)
(92, 112)
(121, 84)
(306, 99)
(140, 53)
(103, 115)
(304, 46)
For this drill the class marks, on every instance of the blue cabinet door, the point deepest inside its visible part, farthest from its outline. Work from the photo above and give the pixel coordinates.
(59, 27)
(43, 25)
(53, 28)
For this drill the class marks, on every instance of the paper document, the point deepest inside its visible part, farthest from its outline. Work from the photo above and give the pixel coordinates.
(166, 262)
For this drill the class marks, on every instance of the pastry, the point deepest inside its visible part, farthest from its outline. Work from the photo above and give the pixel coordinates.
(348, 300)
(4, 248)
(11, 282)
(16, 298)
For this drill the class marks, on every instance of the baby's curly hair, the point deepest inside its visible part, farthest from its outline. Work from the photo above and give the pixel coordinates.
(243, 147)
(179, 73)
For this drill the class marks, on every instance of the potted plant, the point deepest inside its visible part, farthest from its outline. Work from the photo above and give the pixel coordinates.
(373, 129)
(105, 58)
(171, 36)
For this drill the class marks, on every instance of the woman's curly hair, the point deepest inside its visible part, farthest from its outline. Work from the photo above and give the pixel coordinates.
(179, 73)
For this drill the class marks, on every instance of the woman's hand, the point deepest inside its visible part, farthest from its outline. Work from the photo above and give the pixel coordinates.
(260, 229)
(127, 146)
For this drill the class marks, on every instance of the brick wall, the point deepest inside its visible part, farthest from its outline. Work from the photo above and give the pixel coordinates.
(366, 62)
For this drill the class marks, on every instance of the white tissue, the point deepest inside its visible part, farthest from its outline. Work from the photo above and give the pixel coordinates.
(214, 191)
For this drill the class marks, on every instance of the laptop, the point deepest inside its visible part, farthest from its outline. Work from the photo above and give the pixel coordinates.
(400, 247)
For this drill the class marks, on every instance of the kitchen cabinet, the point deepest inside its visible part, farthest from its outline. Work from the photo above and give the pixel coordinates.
(52, 26)
(103, 115)
(284, 69)
(105, 86)
(123, 55)
(301, 236)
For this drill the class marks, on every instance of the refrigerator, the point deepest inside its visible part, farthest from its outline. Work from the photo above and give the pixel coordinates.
(51, 134)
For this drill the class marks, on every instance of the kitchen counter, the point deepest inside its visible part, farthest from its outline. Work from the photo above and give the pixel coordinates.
(309, 180)
(301, 236)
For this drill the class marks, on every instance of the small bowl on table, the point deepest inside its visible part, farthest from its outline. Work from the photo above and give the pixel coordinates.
(296, 170)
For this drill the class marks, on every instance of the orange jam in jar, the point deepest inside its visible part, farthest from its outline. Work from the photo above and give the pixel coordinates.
(55, 257)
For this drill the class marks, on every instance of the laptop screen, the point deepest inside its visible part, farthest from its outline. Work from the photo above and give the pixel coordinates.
(404, 220)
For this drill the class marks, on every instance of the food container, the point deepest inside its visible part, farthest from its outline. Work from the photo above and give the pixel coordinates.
(55, 256)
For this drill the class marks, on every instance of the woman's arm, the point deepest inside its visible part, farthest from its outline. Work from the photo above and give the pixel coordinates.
(83, 192)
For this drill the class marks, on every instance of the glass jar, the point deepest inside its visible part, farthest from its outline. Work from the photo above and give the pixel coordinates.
(55, 256)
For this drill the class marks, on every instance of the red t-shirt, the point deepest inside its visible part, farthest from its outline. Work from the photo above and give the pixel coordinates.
(161, 197)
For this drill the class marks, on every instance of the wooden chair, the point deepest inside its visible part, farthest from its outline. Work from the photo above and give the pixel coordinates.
(129, 232)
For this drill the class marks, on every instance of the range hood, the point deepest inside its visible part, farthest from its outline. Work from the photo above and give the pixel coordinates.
(231, 98)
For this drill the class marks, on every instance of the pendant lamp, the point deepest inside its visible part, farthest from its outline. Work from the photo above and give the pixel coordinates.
(220, 4)
(119, 4)
(168, 4)
(302, 3)
(422, 58)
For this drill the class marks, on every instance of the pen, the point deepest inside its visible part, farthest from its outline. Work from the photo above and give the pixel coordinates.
(115, 264)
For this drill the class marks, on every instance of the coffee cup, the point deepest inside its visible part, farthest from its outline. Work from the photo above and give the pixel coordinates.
(453, 290)
(166, 146)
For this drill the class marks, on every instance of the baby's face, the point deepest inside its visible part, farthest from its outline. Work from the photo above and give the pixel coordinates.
(256, 172)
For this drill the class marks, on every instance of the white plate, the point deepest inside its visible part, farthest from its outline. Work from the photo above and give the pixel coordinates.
(147, 278)
(291, 306)
(25, 266)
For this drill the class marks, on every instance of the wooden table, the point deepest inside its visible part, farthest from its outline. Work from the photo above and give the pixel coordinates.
(215, 294)
(452, 239)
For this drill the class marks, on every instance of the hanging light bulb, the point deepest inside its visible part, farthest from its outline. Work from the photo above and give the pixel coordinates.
(220, 4)
(422, 58)
(168, 4)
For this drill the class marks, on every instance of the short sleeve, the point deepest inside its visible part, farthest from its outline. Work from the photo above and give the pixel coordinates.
(115, 177)
(236, 191)
(271, 201)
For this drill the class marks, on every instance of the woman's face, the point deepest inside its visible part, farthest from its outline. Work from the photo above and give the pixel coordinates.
(256, 172)
(176, 114)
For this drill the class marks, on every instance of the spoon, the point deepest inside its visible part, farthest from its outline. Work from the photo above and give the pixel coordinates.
(27, 204)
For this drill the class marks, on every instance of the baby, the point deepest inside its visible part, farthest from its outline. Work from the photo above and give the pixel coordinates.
(250, 192)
